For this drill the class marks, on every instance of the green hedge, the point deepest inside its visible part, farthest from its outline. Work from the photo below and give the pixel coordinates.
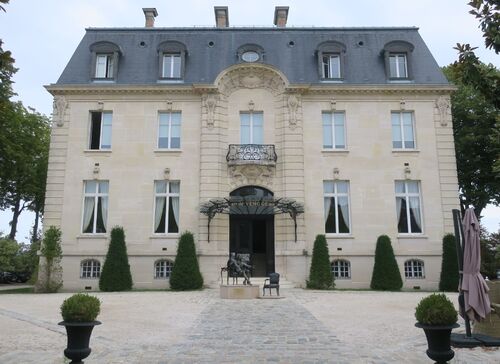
(186, 274)
(386, 275)
(320, 274)
(115, 275)
(449, 267)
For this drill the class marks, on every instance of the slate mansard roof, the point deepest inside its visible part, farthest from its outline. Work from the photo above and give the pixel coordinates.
(363, 58)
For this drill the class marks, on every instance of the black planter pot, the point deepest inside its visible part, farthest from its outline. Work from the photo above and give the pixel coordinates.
(438, 341)
(78, 339)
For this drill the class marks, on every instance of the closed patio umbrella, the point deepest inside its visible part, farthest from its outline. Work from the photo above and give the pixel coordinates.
(475, 289)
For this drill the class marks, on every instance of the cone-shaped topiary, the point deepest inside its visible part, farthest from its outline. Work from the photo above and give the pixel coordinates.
(186, 274)
(320, 274)
(386, 275)
(449, 266)
(115, 275)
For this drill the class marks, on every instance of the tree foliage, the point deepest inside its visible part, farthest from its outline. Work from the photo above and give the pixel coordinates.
(476, 123)
(320, 273)
(186, 273)
(50, 271)
(490, 253)
(488, 13)
(115, 275)
(386, 275)
(449, 278)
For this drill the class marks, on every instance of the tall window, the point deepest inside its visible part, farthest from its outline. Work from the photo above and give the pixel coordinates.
(166, 207)
(172, 65)
(334, 130)
(331, 65)
(408, 207)
(398, 65)
(252, 127)
(336, 198)
(169, 131)
(403, 136)
(95, 207)
(104, 66)
(414, 269)
(100, 130)
(163, 269)
(341, 269)
(90, 268)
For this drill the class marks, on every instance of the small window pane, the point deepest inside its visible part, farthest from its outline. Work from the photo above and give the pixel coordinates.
(103, 187)
(176, 67)
(328, 186)
(100, 69)
(342, 186)
(393, 66)
(412, 186)
(401, 66)
(343, 208)
(106, 130)
(161, 186)
(400, 187)
(334, 67)
(90, 186)
(327, 136)
(174, 187)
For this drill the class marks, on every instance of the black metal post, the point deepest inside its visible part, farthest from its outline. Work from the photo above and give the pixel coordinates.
(459, 239)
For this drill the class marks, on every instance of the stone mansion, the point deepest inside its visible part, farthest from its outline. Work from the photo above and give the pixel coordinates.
(255, 140)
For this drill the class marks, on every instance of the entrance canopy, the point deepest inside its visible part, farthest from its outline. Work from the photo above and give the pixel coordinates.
(255, 204)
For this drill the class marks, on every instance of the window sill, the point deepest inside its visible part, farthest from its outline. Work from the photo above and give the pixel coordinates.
(331, 80)
(339, 236)
(97, 151)
(165, 150)
(340, 151)
(416, 151)
(170, 80)
(103, 80)
(400, 80)
(92, 236)
(412, 236)
(165, 236)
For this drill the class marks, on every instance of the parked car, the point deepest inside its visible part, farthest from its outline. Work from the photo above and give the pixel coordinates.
(11, 277)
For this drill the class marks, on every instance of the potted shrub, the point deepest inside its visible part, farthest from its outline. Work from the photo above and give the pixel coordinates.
(79, 313)
(437, 316)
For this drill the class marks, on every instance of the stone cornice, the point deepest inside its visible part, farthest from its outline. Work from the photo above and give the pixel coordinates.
(56, 90)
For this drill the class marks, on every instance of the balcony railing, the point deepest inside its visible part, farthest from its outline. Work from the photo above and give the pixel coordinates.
(251, 154)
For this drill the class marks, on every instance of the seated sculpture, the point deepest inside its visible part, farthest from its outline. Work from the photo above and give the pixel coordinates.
(236, 267)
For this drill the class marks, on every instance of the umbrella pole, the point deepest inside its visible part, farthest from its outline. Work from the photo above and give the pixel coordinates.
(459, 233)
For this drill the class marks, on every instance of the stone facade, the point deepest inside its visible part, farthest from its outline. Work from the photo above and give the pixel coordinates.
(293, 124)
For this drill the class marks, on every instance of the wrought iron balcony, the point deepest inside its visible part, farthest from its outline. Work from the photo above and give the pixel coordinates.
(263, 154)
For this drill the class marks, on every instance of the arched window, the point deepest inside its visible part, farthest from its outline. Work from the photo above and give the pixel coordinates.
(331, 60)
(163, 268)
(250, 53)
(398, 60)
(172, 60)
(90, 269)
(105, 57)
(341, 269)
(414, 268)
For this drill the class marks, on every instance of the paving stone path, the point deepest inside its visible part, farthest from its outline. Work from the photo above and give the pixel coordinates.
(259, 331)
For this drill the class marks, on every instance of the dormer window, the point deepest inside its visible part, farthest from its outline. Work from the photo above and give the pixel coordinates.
(331, 61)
(331, 65)
(104, 66)
(172, 60)
(105, 57)
(398, 65)
(250, 53)
(397, 58)
(172, 65)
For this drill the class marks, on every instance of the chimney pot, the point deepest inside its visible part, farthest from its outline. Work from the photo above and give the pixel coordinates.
(150, 14)
(280, 16)
(221, 16)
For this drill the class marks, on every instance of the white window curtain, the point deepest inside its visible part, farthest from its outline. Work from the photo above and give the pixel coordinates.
(415, 211)
(160, 206)
(328, 203)
(399, 203)
(175, 208)
(104, 210)
(87, 213)
(344, 208)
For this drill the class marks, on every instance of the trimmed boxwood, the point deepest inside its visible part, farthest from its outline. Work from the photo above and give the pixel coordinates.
(386, 275)
(80, 307)
(320, 274)
(449, 266)
(115, 275)
(186, 273)
(436, 310)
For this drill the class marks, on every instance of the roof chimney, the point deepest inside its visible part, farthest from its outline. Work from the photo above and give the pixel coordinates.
(280, 16)
(150, 14)
(221, 16)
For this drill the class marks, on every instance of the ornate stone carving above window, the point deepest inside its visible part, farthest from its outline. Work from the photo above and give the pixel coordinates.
(251, 174)
(251, 76)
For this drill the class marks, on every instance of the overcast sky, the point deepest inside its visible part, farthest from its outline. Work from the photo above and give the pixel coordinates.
(42, 35)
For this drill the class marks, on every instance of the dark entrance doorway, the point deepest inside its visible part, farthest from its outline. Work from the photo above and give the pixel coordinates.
(253, 233)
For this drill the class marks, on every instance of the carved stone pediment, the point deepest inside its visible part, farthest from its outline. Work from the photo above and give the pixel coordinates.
(250, 77)
(251, 174)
